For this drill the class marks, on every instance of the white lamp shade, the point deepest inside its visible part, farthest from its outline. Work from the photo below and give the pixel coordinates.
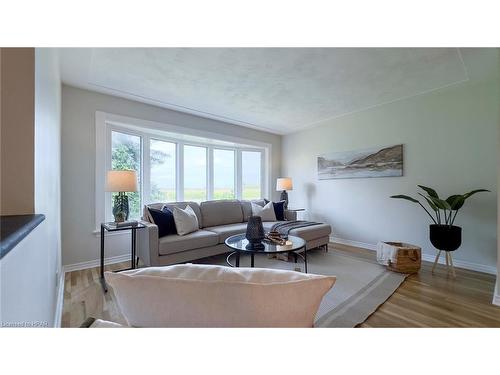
(284, 183)
(121, 181)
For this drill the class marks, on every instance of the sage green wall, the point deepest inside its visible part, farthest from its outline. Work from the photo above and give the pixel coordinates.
(450, 139)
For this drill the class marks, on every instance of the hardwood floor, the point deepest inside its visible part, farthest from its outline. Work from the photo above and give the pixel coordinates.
(423, 300)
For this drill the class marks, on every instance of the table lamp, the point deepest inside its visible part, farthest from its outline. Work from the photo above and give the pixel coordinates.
(283, 184)
(121, 182)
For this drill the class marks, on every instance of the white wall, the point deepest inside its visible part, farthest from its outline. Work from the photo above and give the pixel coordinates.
(79, 243)
(30, 272)
(48, 159)
(450, 138)
(28, 282)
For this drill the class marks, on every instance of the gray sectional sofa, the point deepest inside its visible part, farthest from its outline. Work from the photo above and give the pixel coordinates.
(217, 221)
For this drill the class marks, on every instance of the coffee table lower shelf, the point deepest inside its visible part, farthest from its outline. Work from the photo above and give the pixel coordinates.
(238, 243)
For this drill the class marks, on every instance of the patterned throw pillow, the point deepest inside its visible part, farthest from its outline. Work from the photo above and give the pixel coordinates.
(164, 219)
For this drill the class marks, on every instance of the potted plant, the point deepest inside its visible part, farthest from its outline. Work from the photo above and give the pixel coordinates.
(443, 234)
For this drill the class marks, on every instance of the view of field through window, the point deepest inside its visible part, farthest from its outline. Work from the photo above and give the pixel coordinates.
(163, 164)
(250, 173)
(224, 174)
(195, 173)
(163, 174)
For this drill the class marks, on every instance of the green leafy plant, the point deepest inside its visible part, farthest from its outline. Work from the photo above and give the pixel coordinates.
(445, 210)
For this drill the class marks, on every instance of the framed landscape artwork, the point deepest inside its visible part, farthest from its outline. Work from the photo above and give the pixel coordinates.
(375, 162)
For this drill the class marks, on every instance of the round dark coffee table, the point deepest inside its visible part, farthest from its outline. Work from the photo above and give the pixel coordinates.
(239, 242)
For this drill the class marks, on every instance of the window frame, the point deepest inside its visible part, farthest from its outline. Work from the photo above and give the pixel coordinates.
(207, 167)
(148, 177)
(148, 130)
(212, 167)
(262, 174)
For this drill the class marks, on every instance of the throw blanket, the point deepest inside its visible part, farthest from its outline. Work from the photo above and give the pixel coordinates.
(386, 253)
(285, 227)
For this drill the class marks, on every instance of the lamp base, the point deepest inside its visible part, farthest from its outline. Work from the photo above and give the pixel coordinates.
(284, 197)
(120, 207)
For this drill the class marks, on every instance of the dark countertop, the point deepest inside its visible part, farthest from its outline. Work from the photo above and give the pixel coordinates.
(13, 228)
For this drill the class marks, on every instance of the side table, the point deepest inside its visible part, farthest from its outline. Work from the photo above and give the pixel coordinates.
(295, 211)
(111, 227)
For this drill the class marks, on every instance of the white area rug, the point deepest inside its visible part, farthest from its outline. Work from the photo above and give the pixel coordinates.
(362, 284)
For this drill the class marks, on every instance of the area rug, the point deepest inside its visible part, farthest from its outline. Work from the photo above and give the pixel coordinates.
(362, 285)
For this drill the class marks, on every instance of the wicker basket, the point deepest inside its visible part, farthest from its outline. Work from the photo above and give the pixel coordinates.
(408, 258)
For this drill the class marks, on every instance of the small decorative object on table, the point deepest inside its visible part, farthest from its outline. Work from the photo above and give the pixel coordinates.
(275, 237)
(255, 233)
(128, 223)
(399, 257)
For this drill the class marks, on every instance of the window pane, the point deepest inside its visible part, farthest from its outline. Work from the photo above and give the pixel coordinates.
(126, 155)
(162, 163)
(250, 172)
(195, 173)
(224, 174)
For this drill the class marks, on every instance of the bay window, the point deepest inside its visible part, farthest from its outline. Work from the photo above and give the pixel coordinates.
(176, 167)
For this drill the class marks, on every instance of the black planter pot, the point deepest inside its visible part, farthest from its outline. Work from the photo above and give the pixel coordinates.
(445, 237)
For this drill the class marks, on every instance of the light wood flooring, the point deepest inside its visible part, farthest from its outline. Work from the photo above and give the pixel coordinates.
(423, 300)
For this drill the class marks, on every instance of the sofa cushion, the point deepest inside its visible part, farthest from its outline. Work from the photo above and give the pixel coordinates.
(221, 212)
(171, 205)
(307, 233)
(99, 323)
(186, 220)
(268, 225)
(176, 244)
(246, 207)
(266, 213)
(228, 230)
(279, 209)
(164, 219)
(196, 295)
(312, 232)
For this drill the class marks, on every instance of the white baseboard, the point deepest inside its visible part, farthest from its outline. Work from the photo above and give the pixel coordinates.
(426, 257)
(363, 245)
(59, 300)
(496, 296)
(95, 263)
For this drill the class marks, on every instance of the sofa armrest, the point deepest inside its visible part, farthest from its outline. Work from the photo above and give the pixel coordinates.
(290, 215)
(147, 243)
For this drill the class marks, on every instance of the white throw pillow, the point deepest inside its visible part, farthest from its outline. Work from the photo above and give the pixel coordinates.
(266, 213)
(186, 220)
(198, 295)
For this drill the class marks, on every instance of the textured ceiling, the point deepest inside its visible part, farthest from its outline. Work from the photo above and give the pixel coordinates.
(276, 89)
